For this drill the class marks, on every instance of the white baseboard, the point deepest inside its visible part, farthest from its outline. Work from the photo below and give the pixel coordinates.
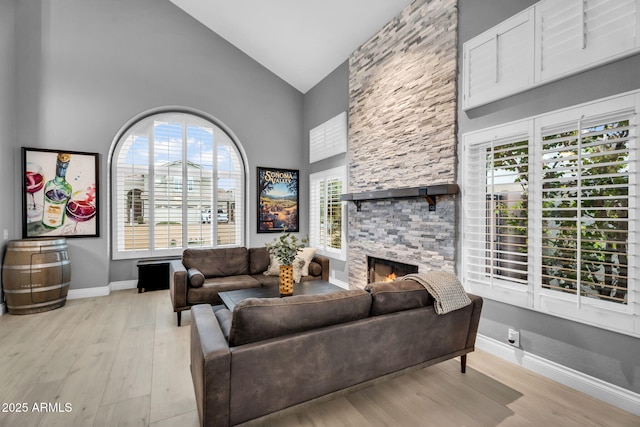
(594, 387)
(123, 284)
(337, 282)
(102, 291)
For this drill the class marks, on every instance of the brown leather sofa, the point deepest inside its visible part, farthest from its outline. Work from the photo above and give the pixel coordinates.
(275, 353)
(202, 273)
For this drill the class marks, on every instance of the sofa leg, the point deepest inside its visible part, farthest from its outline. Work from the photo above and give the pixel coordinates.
(179, 313)
(463, 363)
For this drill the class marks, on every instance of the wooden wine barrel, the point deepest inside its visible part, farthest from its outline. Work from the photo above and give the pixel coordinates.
(36, 275)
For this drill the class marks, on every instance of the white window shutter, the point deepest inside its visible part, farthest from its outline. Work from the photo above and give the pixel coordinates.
(315, 184)
(577, 34)
(499, 61)
(329, 138)
(327, 212)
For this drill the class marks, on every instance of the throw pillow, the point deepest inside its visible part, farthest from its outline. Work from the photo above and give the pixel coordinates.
(274, 268)
(307, 255)
(196, 278)
(315, 269)
(298, 265)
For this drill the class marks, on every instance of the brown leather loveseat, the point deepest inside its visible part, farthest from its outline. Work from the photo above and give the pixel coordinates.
(274, 353)
(202, 273)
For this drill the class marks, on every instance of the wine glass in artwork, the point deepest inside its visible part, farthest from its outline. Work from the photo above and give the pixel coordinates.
(34, 183)
(80, 211)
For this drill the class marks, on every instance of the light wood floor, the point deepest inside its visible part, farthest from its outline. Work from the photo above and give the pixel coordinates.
(122, 361)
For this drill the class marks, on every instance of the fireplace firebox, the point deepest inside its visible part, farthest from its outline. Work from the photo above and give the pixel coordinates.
(384, 270)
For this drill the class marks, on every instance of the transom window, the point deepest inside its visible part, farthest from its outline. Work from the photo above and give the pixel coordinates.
(154, 214)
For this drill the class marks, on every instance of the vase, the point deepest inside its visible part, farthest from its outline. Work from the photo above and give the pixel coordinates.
(286, 280)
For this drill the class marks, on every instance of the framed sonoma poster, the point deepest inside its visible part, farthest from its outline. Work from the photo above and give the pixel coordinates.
(277, 200)
(59, 194)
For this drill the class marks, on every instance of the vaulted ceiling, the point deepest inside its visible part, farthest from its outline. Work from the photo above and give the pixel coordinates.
(301, 41)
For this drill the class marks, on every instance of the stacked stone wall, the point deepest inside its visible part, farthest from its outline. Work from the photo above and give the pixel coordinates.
(402, 133)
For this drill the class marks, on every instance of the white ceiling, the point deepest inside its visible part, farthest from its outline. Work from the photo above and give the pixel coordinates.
(301, 41)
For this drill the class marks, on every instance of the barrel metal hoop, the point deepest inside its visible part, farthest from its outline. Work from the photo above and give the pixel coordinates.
(40, 304)
(40, 266)
(37, 288)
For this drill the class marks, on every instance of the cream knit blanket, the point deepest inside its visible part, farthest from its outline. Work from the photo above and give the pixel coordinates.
(445, 288)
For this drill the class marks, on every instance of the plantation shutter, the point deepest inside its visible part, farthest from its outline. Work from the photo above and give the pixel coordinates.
(316, 187)
(329, 138)
(496, 211)
(132, 185)
(588, 188)
(199, 194)
(499, 61)
(576, 33)
(333, 220)
(326, 216)
(166, 194)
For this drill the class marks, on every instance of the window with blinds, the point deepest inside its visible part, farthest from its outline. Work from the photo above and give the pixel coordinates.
(550, 213)
(497, 230)
(329, 138)
(154, 212)
(586, 176)
(326, 212)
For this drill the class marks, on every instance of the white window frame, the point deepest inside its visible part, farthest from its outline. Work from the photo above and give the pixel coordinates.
(315, 231)
(143, 125)
(622, 318)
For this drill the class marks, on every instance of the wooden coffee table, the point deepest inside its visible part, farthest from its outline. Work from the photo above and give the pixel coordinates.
(312, 287)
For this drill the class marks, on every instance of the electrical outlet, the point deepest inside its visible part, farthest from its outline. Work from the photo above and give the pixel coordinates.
(5, 234)
(514, 337)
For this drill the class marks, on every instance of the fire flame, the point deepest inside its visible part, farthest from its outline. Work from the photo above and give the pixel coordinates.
(390, 278)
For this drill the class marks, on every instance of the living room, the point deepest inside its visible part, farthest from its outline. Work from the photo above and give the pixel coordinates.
(74, 74)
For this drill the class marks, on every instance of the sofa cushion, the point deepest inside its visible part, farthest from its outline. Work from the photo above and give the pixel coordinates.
(208, 293)
(389, 297)
(217, 262)
(256, 319)
(224, 317)
(258, 260)
(196, 278)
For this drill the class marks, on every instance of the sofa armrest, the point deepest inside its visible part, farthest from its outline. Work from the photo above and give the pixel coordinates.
(476, 301)
(324, 263)
(178, 285)
(210, 367)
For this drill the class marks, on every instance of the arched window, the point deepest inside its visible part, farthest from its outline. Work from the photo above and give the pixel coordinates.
(178, 181)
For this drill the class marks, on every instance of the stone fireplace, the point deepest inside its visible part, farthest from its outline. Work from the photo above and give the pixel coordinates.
(402, 133)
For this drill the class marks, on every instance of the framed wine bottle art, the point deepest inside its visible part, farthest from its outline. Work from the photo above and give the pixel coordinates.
(60, 193)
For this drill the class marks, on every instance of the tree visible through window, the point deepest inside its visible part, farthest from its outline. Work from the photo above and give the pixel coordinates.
(154, 213)
(507, 210)
(585, 213)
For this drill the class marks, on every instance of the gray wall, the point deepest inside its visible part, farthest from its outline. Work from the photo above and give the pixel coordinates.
(602, 354)
(85, 67)
(325, 100)
(8, 161)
